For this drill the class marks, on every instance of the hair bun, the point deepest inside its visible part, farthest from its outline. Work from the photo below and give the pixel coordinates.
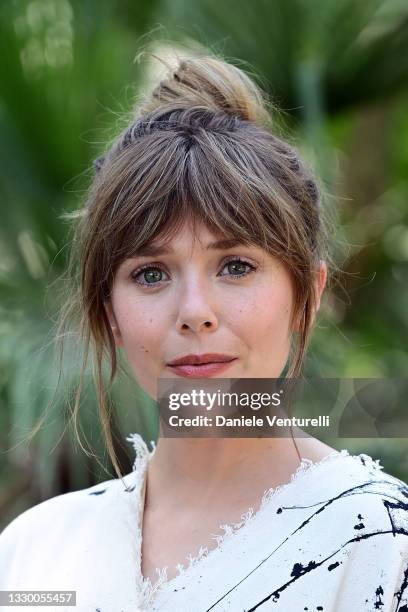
(209, 83)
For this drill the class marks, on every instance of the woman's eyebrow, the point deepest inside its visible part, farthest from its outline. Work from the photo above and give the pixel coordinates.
(152, 250)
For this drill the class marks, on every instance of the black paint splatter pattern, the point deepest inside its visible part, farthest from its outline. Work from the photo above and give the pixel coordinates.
(393, 494)
(371, 515)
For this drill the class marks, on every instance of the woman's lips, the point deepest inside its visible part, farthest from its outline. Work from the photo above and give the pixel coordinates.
(202, 370)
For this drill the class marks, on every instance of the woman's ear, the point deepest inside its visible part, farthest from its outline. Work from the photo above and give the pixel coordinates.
(113, 323)
(321, 282)
(321, 278)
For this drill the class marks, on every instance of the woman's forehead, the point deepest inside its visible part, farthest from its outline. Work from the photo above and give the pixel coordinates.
(199, 236)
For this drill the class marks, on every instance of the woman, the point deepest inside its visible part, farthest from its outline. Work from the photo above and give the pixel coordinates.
(203, 254)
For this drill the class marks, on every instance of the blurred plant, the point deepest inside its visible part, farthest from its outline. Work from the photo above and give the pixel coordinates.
(65, 70)
(66, 66)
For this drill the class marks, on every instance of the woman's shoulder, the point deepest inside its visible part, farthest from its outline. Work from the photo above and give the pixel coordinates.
(351, 491)
(341, 517)
(80, 522)
(341, 474)
(365, 523)
(344, 467)
(371, 484)
(65, 509)
(369, 470)
(76, 535)
(354, 494)
(68, 507)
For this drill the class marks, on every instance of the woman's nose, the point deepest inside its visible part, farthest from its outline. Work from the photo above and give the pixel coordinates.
(196, 312)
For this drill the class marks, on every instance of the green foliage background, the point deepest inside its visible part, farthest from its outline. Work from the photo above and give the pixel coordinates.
(338, 68)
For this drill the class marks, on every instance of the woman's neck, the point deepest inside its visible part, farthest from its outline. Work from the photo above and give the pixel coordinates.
(190, 472)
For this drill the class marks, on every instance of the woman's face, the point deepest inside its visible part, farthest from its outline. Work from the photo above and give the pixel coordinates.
(196, 297)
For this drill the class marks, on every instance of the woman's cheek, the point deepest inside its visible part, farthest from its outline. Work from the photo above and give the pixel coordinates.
(139, 358)
(269, 325)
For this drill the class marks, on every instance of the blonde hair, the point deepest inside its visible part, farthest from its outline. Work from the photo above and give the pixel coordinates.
(200, 147)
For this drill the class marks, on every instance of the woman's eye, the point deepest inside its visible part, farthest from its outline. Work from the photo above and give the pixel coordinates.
(238, 268)
(148, 276)
(151, 276)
